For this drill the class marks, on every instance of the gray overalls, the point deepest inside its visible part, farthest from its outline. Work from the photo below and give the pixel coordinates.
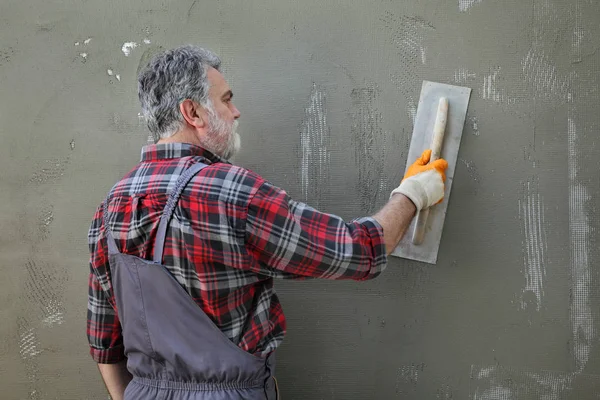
(174, 350)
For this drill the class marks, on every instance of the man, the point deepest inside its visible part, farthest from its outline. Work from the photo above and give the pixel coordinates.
(181, 302)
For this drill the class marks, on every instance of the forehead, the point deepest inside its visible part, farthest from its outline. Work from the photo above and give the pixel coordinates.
(218, 84)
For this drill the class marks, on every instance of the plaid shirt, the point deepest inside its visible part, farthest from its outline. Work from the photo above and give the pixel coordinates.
(232, 232)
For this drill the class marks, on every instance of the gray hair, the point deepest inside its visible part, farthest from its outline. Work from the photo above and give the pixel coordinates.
(170, 78)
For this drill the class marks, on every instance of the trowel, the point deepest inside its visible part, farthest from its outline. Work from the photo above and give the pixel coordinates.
(439, 124)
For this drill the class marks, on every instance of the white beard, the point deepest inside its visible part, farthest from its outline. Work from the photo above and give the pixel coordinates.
(234, 142)
(222, 138)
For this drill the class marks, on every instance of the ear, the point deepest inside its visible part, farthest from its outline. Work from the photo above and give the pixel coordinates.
(193, 113)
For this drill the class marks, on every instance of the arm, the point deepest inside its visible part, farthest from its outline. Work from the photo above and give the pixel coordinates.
(116, 378)
(289, 239)
(394, 218)
(103, 325)
(104, 336)
(422, 187)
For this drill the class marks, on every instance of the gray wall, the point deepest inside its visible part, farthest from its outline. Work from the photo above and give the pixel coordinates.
(510, 311)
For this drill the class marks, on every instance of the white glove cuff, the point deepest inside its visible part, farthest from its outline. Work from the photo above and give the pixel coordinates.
(414, 191)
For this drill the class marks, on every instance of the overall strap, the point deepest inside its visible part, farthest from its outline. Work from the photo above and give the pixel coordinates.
(181, 183)
(110, 240)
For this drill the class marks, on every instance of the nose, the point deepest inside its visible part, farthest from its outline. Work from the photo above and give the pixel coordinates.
(236, 112)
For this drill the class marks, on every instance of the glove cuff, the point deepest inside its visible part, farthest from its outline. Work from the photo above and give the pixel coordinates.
(414, 191)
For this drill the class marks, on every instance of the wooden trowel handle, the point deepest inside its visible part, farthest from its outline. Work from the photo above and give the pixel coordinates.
(436, 149)
(439, 129)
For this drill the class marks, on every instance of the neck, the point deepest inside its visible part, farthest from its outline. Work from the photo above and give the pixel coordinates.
(183, 136)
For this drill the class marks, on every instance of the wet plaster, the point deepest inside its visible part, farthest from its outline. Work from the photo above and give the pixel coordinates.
(328, 93)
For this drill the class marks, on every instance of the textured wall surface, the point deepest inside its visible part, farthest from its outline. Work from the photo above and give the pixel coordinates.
(328, 92)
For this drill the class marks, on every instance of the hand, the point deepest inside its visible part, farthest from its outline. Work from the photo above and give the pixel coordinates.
(423, 182)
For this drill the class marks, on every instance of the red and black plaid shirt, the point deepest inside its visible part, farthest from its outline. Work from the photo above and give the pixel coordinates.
(231, 234)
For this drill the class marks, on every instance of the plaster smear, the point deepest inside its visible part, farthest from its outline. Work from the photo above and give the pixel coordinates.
(423, 54)
(314, 145)
(539, 70)
(505, 383)
(54, 314)
(410, 373)
(475, 125)
(110, 72)
(29, 350)
(412, 112)
(128, 47)
(463, 75)
(444, 392)
(52, 171)
(408, 36)
(532, 216)
(370, 147)
(28, 344)
(490, 91)
(471, 168)
(578, 34)
(408, 377)
(45, 220)
(582, 320)
(44, 287)
(546, 22)
(544, 77)
(465, 5)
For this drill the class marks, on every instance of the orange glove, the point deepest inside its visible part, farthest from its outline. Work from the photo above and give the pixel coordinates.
(422, 165)
(423, 182)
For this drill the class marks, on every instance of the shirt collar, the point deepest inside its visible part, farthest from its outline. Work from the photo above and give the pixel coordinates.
(164, 151)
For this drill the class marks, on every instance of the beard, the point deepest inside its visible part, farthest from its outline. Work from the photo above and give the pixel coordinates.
(222, 138)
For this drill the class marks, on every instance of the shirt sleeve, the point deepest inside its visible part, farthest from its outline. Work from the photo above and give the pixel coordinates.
(103, 326)
(290, 239)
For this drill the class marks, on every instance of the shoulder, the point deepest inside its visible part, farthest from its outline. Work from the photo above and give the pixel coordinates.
(235, 175)
(228, 182)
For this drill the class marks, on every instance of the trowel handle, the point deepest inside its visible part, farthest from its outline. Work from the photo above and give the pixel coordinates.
(436, 149)
(439, 129)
